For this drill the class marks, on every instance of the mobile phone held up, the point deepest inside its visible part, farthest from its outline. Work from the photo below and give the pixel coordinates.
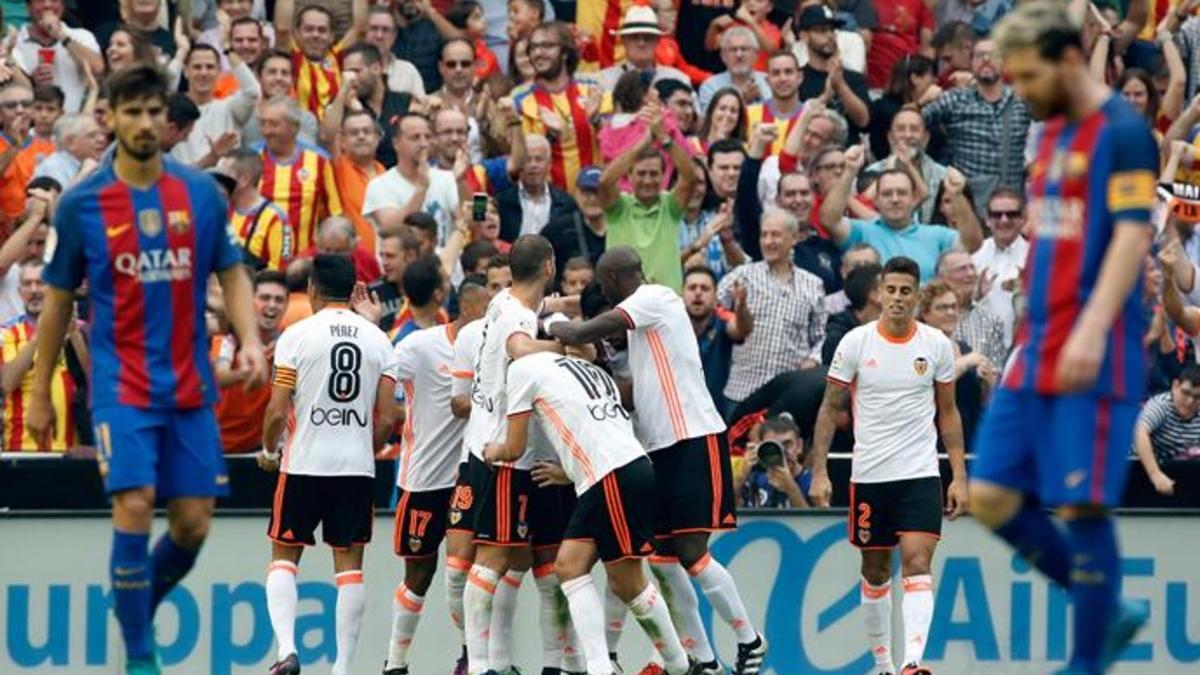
(479, 205)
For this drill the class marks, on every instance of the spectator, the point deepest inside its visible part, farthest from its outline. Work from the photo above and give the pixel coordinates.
(707, 236)
(364, 89)
(640, 35)
(126, 47)
(249, 41)
(980, 15)
(298, 305)
(216, 132)
(355, 166)
(308, 36)
(530, 205)
(577, 273)
(243, 28)
(18, 342)
(975, 374)
(79, 140)
(953, 44)
(47, 109)
(1002, 257)
(649, 220)
(819, 130)
(947, 212)
(523, 17)
(456, 64)
(858, 255)
(895, 233)
(623, 129)
(258, 225)
(336, 235)
(298, 178)
(978, 327)
(984, 125)
(724, 119)
(28, 241)
(908, 140)
(583, 233)
(476, 256)
(558, 107)
(796, 392)
(824, 76)
(788, 305)
(520, 70)
(739, 51)
(862, 292)
(50, 52)
(181, 117)
(398, 247)
(488, 230)
(783, 109)
(465, 20)
(669, 52)
(717, 329)
(382, 31)
(19, 149)
(912, 83)
(274, 72)
(681, 101)
(851, 42)
(412, 185)
(418, 41)
(905, 29)
(775, 480)
(141, 16)
(240, 411)
(1168, 429)
(499, 274)
(451, 132)
(753, 15)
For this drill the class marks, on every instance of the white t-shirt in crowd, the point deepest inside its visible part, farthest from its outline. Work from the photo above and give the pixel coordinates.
(892, 384)
(68, 75)
(432, 437)
(578, 409)
(391, 190)
(11, 304)
(1002, 265)
(333, 361)
(220, 116)
(669, 394)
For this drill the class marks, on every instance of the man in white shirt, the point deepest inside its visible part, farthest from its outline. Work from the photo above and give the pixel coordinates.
(1002, 257)
(50, 52)
(739, 51)
(335, 378)
(413, 185)
(687, 443)
(902, 376)
(216, 132)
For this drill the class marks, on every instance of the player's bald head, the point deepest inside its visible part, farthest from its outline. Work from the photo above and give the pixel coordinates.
(619, 272)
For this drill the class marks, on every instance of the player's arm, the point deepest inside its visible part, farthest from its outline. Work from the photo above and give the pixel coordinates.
(520, 344)
(949, 424)
(237, 291)
(385, 411)
(608, 324)
(514, 444)
(1144, 447)
(274, 419)
(835, 403)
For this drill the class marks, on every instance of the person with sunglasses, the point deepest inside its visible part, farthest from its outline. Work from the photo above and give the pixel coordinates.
(1002, 256)
(20, 149)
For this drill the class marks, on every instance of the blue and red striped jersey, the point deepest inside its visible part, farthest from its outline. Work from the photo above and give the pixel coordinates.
(147, 255)
(1088, 176)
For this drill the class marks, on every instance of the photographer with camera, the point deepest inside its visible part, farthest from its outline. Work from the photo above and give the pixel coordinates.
(773, 471)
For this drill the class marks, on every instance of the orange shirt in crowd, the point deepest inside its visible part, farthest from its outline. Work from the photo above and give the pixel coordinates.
(226, 86)
(20, 172)
(299, 307)
(17, 437)
(240, 413)
(352, 188)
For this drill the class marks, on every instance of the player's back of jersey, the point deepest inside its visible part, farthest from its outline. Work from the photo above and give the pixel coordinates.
(147, 255)
(506, 316)
(432, 437)
(1088, 176)
(336, 358)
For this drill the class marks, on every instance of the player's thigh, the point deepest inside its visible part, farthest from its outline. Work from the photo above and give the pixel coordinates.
(502, 515)
(1085, 456)
(550, 509)
(129, 443)
(616, 513)
(1005, 445)
(872, 506)
(694, 487)
(420, 522)
(626, 577)
(349, 514)
(918, 508)
(297, 508)
(191, 463)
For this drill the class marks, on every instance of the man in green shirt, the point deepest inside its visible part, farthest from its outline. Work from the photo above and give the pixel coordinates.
(649, 220)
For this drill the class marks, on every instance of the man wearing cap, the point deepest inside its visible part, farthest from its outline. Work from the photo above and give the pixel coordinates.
(824, 75)
(528, 206)
(583, 233)
(639, 33)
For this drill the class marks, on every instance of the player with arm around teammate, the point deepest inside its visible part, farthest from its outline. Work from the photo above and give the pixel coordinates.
(334, 390)
(577, 407)
(902, 376)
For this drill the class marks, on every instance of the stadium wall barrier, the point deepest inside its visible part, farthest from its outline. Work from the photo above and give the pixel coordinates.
(797, 573)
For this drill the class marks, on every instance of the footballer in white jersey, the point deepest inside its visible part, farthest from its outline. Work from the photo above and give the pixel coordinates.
(898, 377)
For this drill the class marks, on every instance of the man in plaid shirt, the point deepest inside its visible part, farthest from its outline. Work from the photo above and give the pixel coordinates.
(788, 305)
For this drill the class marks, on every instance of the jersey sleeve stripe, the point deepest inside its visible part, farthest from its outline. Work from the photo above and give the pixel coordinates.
(462, 374)
(628, 319)
(836, 380)
(519, 414)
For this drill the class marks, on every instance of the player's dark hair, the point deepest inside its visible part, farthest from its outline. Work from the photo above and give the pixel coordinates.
(1190, 374)
(779, 424)
(422, 222)
(592, 302)
(49, 93)
(859, 283)
(136, 82)
(368, 51)
(475, 252)
(902, 265)
(270, 277)
(44, 183)
(724, 146)
(333, 276)
(203, 47)
(704, 270)
(181, 110)
(422, 278)
(529, 253)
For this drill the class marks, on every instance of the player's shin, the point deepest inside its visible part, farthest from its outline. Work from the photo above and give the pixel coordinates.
(477, 608)
(651, 613)
(684, 606)
(553, 623)
(131, 587)
(1035, 536)
(170, 562)
(721, 590)
(456, 581)
(917, 610)
(877, 608)
(504, 610)
(587, 613)
(1095, 587)
(351, 601)
(406, 614)
(281, 604)
(615, 611)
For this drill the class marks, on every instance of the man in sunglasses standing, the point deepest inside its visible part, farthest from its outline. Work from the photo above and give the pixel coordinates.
(20, 149)
(1001, 258)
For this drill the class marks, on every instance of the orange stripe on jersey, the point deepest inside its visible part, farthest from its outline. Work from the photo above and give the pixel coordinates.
(567, 437)
(503, 476)
(409, 437)
(616, 514)
(401, 514)
(718, 485)
(666, 379)
(277, 507)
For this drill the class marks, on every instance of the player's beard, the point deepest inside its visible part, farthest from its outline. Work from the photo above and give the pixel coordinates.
(140, 154)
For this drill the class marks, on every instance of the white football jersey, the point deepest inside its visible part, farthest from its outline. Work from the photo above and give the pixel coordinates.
(432, 438)
(892, 385)
(506, 316)
(333, 361)
(669, 394)
(466, 350)
(578, 410)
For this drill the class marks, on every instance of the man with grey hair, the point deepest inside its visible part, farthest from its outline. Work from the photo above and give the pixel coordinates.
(908, 138)
(788, 304)
(337, 236)
(739, 51)
(78, 139)
(528, 206)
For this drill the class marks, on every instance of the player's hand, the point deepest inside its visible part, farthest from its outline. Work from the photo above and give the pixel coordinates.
(957, 501)
(365, 303)
(39, 418)
(1163, 484)
(585, 352)
(821, 490)
(492, 453)
(267, 462)
(252, 365)
(1080, 360)
(547, 474)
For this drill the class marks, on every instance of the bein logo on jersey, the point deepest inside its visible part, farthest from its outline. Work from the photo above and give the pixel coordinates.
(337, 417)
(156, 265)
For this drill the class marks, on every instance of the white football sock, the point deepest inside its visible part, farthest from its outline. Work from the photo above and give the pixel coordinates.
(351, 601)
(877, 604)
(917, 609)
(651, 613)
(406, 614)
(684, 605)
(553, 630)
(504, 610)
(477, 610)
(456, 582)
(281, 604)
(587, 613)
(614, 618)
(722, 593)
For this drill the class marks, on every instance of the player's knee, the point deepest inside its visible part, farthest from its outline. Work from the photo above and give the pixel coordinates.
(133, 510)
(568, 568)
(992, 505)
(190, 533)
(1082, 511)
(917, 562)
(876, 572)
(690, 549)
(418, 575)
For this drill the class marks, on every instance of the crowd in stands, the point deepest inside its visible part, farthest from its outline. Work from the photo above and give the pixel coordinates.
(764, 158)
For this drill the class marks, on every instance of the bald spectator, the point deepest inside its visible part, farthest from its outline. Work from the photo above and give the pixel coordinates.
(739, 51)
(78, 139)
(640, 33)
(337, 235)
(908, 139)
(978, 327)
(530, 205)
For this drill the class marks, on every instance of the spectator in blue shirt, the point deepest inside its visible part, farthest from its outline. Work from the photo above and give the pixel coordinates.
(775, 477)
(717, 329)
